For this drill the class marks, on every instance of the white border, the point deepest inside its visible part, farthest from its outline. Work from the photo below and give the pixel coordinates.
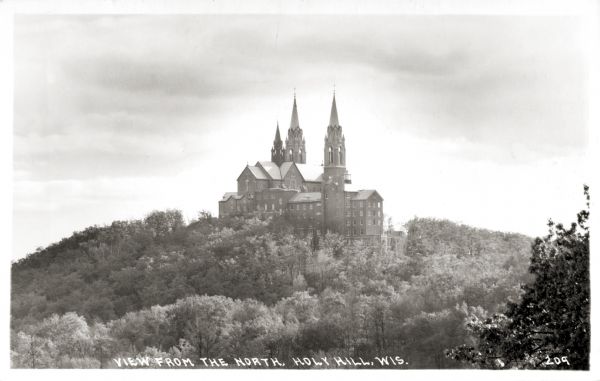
(589, 9)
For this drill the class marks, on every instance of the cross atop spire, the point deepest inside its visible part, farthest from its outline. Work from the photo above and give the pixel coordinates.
(333, 118)
(294, 122)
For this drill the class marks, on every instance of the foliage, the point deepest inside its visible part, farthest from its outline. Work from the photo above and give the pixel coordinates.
(552, 319)
(241, 286)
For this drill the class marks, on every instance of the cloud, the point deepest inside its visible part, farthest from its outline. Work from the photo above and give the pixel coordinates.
(189, 100)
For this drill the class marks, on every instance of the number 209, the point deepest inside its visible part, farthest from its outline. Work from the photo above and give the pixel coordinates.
(557, 360)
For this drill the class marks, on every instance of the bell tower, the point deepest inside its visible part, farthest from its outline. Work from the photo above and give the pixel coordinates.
(334, 174)
(295, 146)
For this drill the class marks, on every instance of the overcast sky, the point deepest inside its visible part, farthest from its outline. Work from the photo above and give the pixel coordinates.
(478, 119)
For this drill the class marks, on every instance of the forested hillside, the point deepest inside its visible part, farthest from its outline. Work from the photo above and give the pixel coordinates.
(247, 287)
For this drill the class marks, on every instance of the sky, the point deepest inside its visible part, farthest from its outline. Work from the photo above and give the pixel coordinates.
(482, 120)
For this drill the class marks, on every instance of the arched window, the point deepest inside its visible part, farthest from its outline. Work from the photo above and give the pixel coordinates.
(330, 156)
(300, 155)
(341, 157)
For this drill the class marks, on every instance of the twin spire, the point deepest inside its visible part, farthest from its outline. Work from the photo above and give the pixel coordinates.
(333, 118)
(295, 146)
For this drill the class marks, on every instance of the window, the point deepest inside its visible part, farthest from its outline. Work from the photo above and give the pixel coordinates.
(272, 206)
(341, 158)
(361, 222)
(330, 156)
(347, 222)
(280, 201)
(360, 212)
(311, 206)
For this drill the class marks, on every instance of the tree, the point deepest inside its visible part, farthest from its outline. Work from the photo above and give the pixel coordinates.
(552, 320)
(204, 321)
(164, 222)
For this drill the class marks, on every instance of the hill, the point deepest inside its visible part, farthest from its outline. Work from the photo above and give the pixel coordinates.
(296, 295)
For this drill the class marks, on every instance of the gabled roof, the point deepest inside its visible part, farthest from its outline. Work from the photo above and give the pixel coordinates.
(365, 194)
(285, 167)
(306, 197)
(265, 170)
(257, 172)
(271, 169)
(310, 172)
(229, 195)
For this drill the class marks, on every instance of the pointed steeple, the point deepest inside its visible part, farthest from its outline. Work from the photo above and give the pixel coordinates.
(277, 153)
(333, 118)
(335, 146)
(295, 147)
(294, 122)
(277, 135)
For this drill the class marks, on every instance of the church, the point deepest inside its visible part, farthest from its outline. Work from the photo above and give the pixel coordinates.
(314, 198)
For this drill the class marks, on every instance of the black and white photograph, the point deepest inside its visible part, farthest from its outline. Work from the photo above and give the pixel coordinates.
(295, 186)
